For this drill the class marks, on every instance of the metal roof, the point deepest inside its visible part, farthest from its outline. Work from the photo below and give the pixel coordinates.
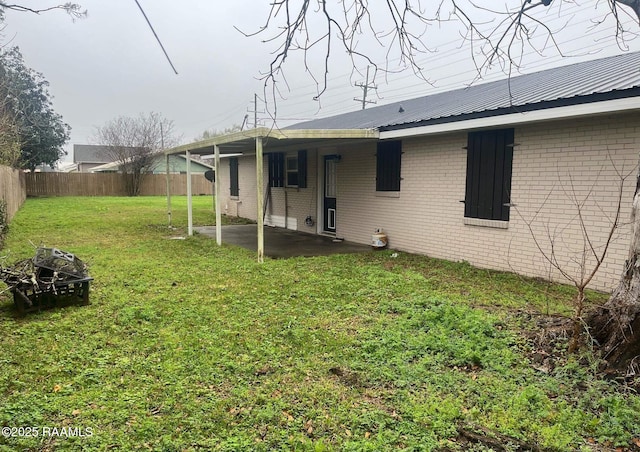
(610, 77)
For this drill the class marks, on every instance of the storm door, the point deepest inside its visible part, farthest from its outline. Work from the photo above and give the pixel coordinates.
(330, 194)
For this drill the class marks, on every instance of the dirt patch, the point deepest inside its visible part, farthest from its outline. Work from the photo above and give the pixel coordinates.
(473, 435)
(548, 337)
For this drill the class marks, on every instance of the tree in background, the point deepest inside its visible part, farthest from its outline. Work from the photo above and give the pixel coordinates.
(27, 115)
(31, 132)
(210, 133)
(9, 134)
(135, 143)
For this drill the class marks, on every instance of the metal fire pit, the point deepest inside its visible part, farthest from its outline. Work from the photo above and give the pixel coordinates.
(52, 278)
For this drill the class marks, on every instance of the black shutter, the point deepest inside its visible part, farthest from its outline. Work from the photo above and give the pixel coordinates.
(489, 162)
(388, 159)
(302, 169)
(234, 186)
(473, 176)
(276, 169)
(504, 162)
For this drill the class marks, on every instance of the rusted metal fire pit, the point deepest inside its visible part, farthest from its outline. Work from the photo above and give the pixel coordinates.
(51, 278)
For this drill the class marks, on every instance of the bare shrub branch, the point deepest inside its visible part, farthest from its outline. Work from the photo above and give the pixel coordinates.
(588, 260)
(497, 35)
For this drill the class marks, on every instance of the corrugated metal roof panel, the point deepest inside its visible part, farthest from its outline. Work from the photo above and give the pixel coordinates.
(604, 75)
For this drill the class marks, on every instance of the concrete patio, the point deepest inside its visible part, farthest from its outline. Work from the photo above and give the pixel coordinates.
(282, 243)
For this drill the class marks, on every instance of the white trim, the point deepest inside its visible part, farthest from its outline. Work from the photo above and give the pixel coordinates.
(498, 224)
(547, 114)
(387, 194)
(331, 219)
(245, 138)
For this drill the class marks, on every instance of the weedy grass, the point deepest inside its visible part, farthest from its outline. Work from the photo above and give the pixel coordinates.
(190, 346)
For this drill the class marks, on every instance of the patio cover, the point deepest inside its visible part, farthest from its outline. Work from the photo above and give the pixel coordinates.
(257, 141)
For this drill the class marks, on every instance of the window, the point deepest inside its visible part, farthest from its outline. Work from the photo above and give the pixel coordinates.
(233, 177)
(388, 158)
(288, 170)
(292, 170)
(489, 161)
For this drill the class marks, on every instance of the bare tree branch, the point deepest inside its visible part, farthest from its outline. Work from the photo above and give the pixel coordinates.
(72, 9)
(497, 35)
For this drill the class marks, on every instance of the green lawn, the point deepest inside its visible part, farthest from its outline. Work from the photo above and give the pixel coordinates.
(190, 346)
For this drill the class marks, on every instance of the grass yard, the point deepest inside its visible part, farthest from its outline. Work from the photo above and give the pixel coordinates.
(190, 346)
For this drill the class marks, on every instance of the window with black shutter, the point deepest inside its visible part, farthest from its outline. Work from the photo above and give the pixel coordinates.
(233, 177)
(288, 170)
(489, 162)
(388, 156)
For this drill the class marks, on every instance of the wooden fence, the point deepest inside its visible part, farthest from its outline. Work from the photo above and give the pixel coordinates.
(12, 189)
(110, 184)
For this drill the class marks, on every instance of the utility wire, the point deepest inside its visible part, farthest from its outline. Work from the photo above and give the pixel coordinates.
(157, 38)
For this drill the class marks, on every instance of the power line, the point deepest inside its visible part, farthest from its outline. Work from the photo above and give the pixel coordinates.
(459, 78)
(156, 35)
(450, 53)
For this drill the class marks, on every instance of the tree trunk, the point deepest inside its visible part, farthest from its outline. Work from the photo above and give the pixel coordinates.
(616, 325)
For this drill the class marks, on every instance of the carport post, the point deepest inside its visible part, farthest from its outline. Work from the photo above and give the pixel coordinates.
(260, 199)
(216, 194)
(189, 203)
(168, 192)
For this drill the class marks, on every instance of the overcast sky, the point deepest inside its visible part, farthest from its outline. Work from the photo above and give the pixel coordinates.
(109, 63)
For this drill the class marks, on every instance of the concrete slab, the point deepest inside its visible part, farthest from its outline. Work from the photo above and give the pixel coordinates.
(282, 243)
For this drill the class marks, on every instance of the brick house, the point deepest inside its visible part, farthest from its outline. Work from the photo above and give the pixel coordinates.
(491, 174)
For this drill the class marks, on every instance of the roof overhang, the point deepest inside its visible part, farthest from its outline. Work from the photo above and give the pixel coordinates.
(511, 119)
(244, 142)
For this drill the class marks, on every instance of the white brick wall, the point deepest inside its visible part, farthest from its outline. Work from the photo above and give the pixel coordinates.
(552, 162)
(245, 204)
(301, 202)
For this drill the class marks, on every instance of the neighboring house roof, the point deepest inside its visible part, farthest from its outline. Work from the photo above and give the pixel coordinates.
(198, 163)
(159, 165)
(89, 153)
(591, 81)
(67, 167)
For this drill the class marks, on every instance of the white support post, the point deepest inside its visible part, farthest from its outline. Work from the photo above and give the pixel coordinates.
(168, 193)
(189, 203)
(216, 193)
(260, 199)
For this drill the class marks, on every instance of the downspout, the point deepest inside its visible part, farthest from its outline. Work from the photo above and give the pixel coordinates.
(216, 185)
(189, 201)
(168, 192)
(259, 185)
